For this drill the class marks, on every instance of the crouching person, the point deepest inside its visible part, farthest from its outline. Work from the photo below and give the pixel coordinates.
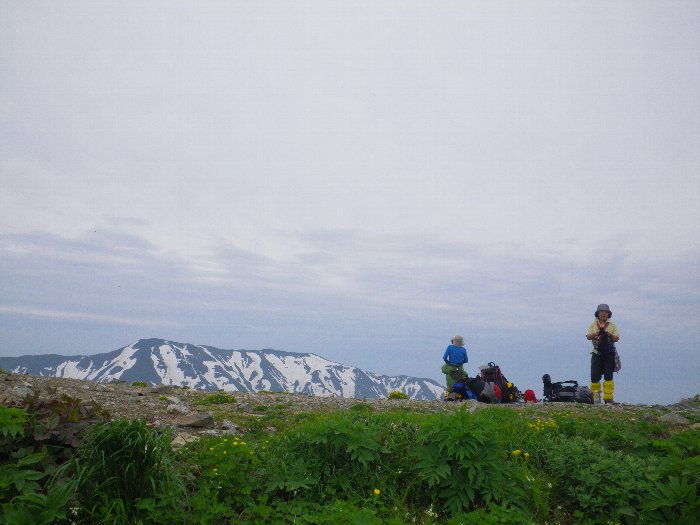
(455, 356)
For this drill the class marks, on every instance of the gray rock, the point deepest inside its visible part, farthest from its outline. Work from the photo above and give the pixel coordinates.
(178, 408)
(22, 391)
(197, 420)
(163, 389)
(230, 425)
(182, 439)
(674, 419)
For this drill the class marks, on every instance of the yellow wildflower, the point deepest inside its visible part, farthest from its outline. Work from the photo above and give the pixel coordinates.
(376, 492)
(516, 452)
(526, 455)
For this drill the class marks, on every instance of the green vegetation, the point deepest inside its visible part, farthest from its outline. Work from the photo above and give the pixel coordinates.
(396, 394)
(120, 468)
(217, 398)
(139, 383)
(35, 440)
(359, 466)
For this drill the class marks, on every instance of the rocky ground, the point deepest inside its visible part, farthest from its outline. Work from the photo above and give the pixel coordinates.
(190, 415)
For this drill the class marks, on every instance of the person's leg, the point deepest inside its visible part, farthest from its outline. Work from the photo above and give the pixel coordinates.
(596, 374)
(608, 384)
(450, 381)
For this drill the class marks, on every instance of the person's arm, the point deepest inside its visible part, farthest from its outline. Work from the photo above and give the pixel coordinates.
(592, 331)
(614, 334)
(446, 356)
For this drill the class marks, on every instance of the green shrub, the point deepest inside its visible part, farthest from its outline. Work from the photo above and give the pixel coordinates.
(228, 468)
(396, 394)
(362, 408)
(460, 458)
(139, 383)
(216, 398)
(12, 421)
(601, 484)
(330, 456)
(35, 440)
(399, 461)
(672, 502)
(119, 465)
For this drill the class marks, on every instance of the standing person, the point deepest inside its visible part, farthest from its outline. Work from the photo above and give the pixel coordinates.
(604, 335)
(455, 356)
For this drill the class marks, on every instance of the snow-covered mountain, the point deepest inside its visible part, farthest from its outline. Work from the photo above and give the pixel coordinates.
(157, 361)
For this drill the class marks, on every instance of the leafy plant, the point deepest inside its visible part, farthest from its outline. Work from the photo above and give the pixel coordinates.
(675, 502)
(397, 394)
(228, 467)
(216, 398)
(602, 483)
(12, 421)
(139, 383)
(35, 440)
(460, 459)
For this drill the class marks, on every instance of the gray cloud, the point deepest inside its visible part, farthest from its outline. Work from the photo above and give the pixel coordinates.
(358, 181)
(384, 303)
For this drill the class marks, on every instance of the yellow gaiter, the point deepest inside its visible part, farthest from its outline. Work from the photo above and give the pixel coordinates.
(608, 389)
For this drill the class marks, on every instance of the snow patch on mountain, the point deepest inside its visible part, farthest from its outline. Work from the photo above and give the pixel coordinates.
(159, 361)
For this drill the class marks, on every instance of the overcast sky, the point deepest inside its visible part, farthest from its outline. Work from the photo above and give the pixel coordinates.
(360, 180)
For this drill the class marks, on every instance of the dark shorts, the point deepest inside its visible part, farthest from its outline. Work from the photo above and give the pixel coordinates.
(602, 365)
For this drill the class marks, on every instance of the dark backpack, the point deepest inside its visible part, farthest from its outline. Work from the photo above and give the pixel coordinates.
(468, 388)
(605, 345)
(566, 391)
(503, 390)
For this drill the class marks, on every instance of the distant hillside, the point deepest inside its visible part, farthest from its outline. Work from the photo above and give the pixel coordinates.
(158, 361)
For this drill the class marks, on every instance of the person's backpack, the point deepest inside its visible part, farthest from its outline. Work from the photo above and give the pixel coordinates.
(566, 391)
(466, 388)
(506, 392)
(605, 345)
(491, 393)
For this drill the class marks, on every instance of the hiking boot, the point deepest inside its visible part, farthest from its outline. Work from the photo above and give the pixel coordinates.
(611, 402)
(596, 398)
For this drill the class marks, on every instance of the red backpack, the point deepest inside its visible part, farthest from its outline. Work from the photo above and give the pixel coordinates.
(505, 391)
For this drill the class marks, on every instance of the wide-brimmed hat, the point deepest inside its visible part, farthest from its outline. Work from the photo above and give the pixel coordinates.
(603, 308)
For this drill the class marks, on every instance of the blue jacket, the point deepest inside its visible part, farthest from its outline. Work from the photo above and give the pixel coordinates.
(455, 355)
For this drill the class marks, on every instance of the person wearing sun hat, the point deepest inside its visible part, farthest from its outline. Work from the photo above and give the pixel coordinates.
(603, 334)
(454, 357)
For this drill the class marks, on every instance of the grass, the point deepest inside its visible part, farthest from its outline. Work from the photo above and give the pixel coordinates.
(501, 465)
(216, 398)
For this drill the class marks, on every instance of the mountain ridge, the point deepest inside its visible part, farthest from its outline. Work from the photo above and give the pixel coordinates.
(162, 361)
